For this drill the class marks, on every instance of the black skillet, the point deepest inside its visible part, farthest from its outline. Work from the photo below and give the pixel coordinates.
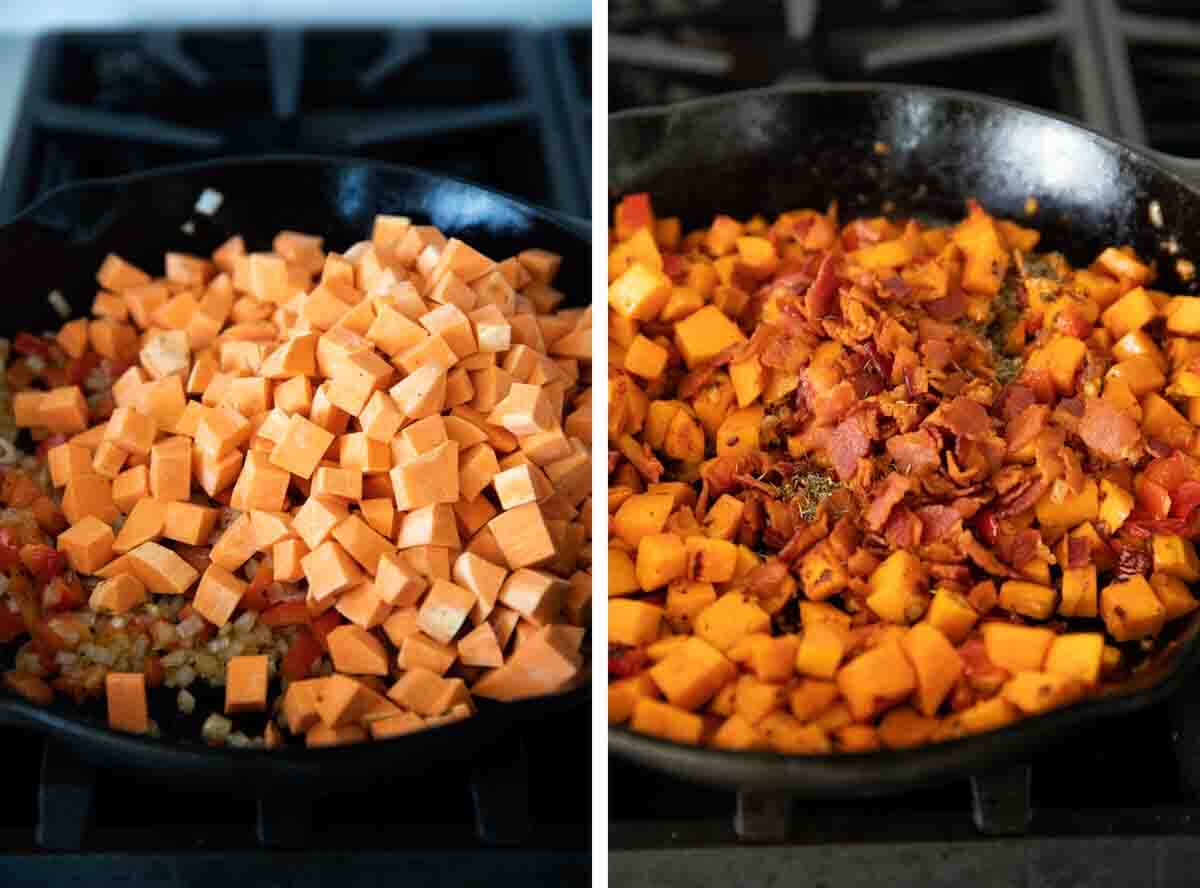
(923, 152)
(59, 242)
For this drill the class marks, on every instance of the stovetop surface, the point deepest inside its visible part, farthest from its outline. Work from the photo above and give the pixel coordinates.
(505, 108)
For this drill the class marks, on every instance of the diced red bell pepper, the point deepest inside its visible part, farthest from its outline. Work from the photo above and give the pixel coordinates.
(42, 561)
(79, 368)
(298, 661)
(323, 625)
(12, 626)
(256, 598)
(286, 613)
(63, 593)
(154, 671)
(10, 548)
(1153, 500)
(987, 525)
(28, 344)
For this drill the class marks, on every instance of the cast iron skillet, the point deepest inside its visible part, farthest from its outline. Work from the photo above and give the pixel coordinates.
(59, 242)
(923, 152)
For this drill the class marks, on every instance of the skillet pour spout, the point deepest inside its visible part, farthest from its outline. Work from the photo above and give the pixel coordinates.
(881, 148)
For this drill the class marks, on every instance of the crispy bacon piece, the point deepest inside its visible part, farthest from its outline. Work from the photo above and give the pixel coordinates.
(642, 458)
(766, 579)
(1027, 426)
(886, 496)
(847, 443)
(1185, 499)
(1079, 552)
(1026, 498)
(915, 453)
(1109, 432)
(903, 529)
(981, 555)
(1014, 399)
(821, 295)
(965, 417)
(938, 522)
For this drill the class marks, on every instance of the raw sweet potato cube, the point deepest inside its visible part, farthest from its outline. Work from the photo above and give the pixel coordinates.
(214, 475)
(329, 570)
(336, 481)
(133, 432)
(342, 700)
(419, 651)
(525, 410)
(397, 581)
(171, 469)
(317, 518)
(363, 454)
(363, 606)
(88, 545)
(261, 484)
(380, 515)
(89, 494)
(433, 525)
(522, 536)
(380, 418)
(118, 594)
(302, 447)
(287, 556)
(429, 478)
(320, 736)
(535, 595)
(356, 651)
(189, 523)
(166, 353)
(218, 595)
(362, 543)
(483, 578)
(163, 571)
(521, 484)
(445, 610)
(131, 486)
(300, 703)
(422, 393)
(108, 460)
(236, 544)
(67, 460)
(427, 693)
(545, 664)
(125, 693)
(220, 431)
(246, 684)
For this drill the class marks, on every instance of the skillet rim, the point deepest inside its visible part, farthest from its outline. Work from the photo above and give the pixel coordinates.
(887, 771)
(65, 723)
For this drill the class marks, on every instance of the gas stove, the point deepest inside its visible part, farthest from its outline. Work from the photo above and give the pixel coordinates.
(505, 108)
(1122, 800)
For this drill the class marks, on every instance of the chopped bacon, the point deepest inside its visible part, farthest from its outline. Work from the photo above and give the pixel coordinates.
(886, 496)
(1014, 399)
(848, 442)
(1131, 561)
(28, 344)
(1020, 548)
(937, 354)
(1108, 431)
(674, 267)
(981, 555)
(1022, 430)
(903, 529)
(938, 522)
(1158, 448)
(1153, 500)
(642, 458)
(765, 580)
(914, 453)
(624, 662)
(950, 307)
(964, 417)
(821, 296)
(1026, 499)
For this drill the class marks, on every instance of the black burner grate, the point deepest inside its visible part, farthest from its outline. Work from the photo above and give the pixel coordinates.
(497, 107)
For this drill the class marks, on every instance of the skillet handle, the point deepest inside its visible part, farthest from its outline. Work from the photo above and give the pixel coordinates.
(1187, 168)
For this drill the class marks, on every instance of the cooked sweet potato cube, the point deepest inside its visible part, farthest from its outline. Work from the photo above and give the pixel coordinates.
(876, 680)
(1131, 610)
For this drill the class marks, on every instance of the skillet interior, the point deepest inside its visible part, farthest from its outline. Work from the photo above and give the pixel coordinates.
(920, 152)
(58, 244)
